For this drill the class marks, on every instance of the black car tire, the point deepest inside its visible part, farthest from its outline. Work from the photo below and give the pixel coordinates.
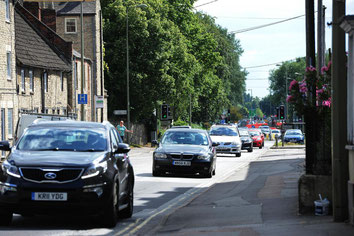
(238, 154)
(110, 213)
(260, 147)
(5, 217)
(250, 149)
(128, 212)
(208, 174)
(156, 173)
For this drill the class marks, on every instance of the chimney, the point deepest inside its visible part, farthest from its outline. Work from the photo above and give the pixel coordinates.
(49, 18)
(33, 7)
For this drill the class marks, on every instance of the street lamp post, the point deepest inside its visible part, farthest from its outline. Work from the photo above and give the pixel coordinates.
(251, 101)
(127, 48)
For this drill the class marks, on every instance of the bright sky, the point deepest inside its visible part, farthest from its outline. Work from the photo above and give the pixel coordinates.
(270, 45)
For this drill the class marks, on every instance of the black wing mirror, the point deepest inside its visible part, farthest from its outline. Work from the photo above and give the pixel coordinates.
(123, 148)
(5, 146)
(154, 143)
(215, 144)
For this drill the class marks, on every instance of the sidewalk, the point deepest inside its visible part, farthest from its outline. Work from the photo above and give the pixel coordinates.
(258, 200)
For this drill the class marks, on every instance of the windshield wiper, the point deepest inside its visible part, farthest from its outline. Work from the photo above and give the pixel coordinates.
(53, 149)
(90, 150)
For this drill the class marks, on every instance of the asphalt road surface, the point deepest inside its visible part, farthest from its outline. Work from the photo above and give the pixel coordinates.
(154, 198)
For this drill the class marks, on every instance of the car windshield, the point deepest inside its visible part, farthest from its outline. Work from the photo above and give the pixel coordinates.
(63, 139)
(223, 131)
(275, 131)
(244, 133)
(293, 132)
(254, 133)
(191, 138)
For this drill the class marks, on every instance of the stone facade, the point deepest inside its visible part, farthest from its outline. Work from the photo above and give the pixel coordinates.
(93, 49)
(8, 100)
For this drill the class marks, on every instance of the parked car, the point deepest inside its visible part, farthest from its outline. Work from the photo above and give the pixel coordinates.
(294, 136)
(246, 139)
(184, 151)
(228, 138)
(67, 167)
(258, 138)
(276, 133)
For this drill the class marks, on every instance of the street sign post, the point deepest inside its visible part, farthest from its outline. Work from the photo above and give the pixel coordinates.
(120, 112)
(82, 98)
(99, 101)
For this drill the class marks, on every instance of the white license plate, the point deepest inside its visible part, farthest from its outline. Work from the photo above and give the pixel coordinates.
(293, 140)
(182, 163)
(45, 196)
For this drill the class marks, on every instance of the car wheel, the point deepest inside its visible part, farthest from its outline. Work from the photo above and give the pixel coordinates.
(260, 147)
(110, 212)
(250, 150)
(128, 212)
(156, 173)
(263, 144)
(238, 154)
(214, 172)
(5, 217)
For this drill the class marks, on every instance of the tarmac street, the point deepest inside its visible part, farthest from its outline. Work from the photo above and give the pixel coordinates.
(258, 199)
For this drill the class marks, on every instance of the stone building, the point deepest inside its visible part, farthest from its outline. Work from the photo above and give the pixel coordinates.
(68, 26)
(8, 94)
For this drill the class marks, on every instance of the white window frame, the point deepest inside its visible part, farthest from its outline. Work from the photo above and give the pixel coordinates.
(30, 75)
(23, 80)
(45, 82)
(10, 117)
(66, 24)
(8, 64)
(7, 10)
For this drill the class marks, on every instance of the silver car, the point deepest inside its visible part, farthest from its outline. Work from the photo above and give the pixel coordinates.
(228, 138)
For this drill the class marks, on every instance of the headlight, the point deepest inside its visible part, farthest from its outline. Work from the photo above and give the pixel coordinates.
(160, 155)
(10, 169)
(95, 170)
(204, 156)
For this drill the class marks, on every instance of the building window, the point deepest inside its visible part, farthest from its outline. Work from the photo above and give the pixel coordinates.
(64, 111)
(10, 122)
(8, 55)
(62, 81)
(53, 111)
(2, 116)
(23, 85)
(7, 10)
(70, 26)
(36, 110)
(45, 81)
(30, 74)
(46, 111)
(75, 75)
(58, 111)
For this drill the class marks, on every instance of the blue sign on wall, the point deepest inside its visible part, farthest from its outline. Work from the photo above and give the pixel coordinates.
(82, 98)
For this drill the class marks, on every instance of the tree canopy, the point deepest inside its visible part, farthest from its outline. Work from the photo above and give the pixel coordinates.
(176, 56)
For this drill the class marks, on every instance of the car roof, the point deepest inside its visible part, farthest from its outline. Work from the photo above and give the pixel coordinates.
(187, 130)
(70, 124)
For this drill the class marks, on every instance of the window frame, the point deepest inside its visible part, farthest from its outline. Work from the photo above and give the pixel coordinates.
(8, 64)
(30, 75)
(23, 80)
(7, 11)
(66, 25)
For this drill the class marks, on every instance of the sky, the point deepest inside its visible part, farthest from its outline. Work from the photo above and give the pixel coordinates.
(269, 45)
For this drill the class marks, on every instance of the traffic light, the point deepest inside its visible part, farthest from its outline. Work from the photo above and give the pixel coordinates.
(281, 112)
(164, 112)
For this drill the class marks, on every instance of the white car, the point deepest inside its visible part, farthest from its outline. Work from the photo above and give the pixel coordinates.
(228, 138)
(276, 133)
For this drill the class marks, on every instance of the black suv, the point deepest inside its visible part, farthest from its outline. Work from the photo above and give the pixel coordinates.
(66, 167)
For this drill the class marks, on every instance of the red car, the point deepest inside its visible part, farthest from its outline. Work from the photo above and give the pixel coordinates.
(258, 138)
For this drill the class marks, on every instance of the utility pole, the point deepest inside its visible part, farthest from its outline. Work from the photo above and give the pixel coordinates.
(82, 59)
(320, 36)
(340, 170)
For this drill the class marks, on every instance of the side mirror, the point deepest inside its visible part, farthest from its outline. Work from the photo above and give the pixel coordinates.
(123, 148)
(5, 146)
(215, 144)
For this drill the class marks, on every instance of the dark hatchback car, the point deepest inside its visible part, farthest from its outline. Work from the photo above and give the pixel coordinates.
(185, 151)
(246, 139)
(65, 167)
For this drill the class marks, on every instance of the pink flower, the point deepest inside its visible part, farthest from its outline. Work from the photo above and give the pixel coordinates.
(310, 68)
(324, 69)
(326, 103)
(289, 98)
(302, 87)
(319, 91)
(292, 83)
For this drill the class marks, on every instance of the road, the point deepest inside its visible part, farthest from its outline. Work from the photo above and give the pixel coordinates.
(155, 197)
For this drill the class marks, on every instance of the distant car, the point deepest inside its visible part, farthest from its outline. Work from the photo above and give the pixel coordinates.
(228, 138)
(185, 150)
(67, 167)
(258, 138)
(294, 136)
(276, 132)
(265, 130)
(246, 139)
